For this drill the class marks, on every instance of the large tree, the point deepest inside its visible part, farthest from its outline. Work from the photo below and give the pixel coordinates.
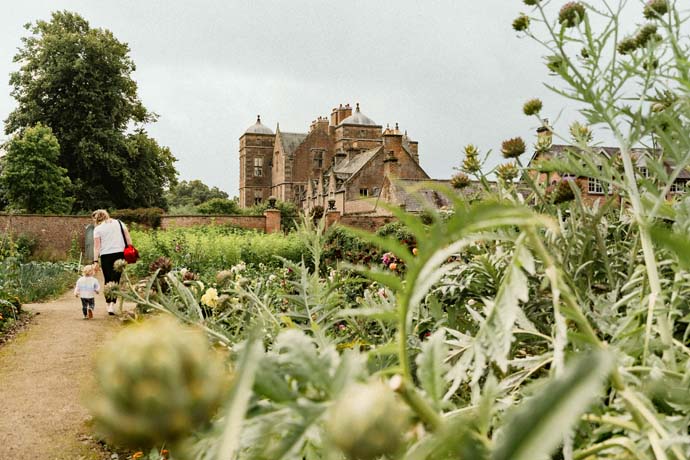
(77, 80)
(30, 178)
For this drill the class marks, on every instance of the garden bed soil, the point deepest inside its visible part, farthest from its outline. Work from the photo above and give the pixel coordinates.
(45, 377)
(21, 324)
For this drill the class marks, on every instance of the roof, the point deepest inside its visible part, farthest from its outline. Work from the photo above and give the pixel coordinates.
(358, 118)
(258, 128)
(355, 163)
(639, 155)
(290, 141)
(414, 200)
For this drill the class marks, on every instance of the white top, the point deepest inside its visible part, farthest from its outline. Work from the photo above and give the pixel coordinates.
(87, 287)
(111, 236)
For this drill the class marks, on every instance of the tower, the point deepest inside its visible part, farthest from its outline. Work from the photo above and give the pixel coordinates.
(256, 154)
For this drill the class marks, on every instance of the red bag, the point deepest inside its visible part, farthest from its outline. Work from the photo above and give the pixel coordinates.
(131, 253)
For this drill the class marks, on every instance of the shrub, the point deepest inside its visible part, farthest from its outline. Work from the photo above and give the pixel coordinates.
(219, 206)
(149, 217)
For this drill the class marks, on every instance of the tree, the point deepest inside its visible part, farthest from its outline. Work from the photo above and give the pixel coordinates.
(30, 179)
(192, 193)
(77, 80)
(219, 206)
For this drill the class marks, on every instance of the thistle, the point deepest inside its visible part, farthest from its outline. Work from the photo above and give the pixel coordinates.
(513, 148)
(571, 14)
(627, 45)
(508, 172)
(521, 23)
(531, 2)
(562, 193)
(471, 164)
(647, 33)
(655, 8)
(109, 289)
(532, 107)
(460, 181)
(120, 265)
(555, 63)
(580, 133)
(157, 382)
(162, 264)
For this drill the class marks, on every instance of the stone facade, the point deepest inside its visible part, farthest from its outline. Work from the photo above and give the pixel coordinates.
(347, 159)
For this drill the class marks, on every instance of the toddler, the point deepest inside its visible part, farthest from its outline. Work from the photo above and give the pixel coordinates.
(87, 287)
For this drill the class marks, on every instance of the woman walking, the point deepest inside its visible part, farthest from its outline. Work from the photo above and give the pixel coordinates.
(110, 236)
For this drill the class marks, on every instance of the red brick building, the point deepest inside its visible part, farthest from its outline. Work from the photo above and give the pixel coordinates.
(348, 159)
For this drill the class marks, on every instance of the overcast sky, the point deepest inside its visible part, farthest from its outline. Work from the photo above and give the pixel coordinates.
(449, 72)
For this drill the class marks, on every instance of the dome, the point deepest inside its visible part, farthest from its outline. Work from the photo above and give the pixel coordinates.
(258, 128)
(358, 118)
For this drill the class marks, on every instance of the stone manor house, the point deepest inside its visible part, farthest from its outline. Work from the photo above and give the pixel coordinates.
(346, 160)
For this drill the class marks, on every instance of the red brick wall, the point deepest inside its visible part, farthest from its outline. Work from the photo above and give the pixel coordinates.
(53, 234)
(252, 222)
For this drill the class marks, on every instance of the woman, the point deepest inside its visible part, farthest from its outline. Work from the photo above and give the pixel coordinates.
(109, 245)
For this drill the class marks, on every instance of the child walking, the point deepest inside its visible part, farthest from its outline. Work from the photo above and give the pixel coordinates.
(87, 287)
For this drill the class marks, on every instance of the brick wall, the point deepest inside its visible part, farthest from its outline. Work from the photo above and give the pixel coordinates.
(251, 222)
(53, 234)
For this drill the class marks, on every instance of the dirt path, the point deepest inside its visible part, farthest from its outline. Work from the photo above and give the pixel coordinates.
(44, 375)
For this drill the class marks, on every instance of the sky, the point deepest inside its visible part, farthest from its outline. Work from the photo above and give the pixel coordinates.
(450, 72)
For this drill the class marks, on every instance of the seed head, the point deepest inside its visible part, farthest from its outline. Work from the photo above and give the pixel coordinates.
(460, 181)
(120, 265)
(471, 163)
(532, 107)
(647, 33)
(513, 148)
(555, 63)
(655, 9)
(627, 45)
(580, 133)
(531, 2)
(571, 14)
(521, 23)
(508, 172)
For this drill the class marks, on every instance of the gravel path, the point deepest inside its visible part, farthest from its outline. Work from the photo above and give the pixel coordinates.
(45, 375)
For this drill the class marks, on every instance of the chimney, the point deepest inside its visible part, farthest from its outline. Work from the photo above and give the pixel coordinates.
(390, 165)
(340, 113)
(320, 124)
(544, 133)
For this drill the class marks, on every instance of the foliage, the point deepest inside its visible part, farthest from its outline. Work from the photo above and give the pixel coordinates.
(77, 80)
(548, 331)
(31, 180)
(205, 250)
(219, 206)
(149, 217)
(192, 193)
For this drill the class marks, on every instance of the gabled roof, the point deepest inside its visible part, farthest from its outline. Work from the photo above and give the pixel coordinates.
(290, 141)
(353, 165)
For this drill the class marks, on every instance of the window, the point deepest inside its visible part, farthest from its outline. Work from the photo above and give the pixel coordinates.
(594, 186)
(678, 186)
(258, 167)
(643, 172)
(375, 191)
(258, 197)
(363, 192)
(318, 159)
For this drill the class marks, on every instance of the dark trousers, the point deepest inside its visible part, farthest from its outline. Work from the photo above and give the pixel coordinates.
(87, 304)
(109, 273)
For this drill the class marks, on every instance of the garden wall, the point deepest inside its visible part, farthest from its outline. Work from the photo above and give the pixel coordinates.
(55, 235)
(370, 223)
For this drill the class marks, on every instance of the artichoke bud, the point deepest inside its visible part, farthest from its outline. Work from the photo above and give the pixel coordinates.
(367, 421)
(157, 382)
